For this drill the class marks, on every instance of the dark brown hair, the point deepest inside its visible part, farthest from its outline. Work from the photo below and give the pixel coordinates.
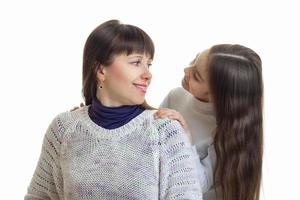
(236, 85)
(108, 40)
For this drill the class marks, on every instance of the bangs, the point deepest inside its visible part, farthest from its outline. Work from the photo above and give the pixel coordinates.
(131, 39)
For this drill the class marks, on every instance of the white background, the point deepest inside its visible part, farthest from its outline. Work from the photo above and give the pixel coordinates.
(41, 45)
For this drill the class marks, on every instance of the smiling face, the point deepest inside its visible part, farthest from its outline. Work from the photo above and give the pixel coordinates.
(195, 79)
(125, 81)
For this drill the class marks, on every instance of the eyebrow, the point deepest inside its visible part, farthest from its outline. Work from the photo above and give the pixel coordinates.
(195, 59)
(135, 56)
(192, 62)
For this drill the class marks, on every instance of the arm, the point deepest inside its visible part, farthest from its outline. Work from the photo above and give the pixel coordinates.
(178, 175)
(47, 182)
(205, 166)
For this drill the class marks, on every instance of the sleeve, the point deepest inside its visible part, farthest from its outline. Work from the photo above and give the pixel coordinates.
(205, 168)
(47, 182)
(178, 175)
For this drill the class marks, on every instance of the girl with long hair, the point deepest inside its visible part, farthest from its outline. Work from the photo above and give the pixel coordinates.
(221, 103)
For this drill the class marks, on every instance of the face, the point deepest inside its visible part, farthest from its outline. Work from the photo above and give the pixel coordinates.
(125, 81)
(195, 79)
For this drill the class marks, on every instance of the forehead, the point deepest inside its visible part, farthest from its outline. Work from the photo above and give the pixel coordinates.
(200, 62)
(125, 56)
(140, 55)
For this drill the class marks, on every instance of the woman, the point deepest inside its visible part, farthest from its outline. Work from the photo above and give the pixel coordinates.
(222, 104)
(113, 148)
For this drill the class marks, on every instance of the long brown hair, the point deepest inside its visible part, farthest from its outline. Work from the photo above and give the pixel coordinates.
(236, 85)
(106, 41)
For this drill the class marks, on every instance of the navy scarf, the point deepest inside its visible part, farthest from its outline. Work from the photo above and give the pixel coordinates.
(112, 117)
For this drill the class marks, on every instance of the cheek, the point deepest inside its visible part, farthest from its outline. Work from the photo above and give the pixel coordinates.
(206, 88)
(199, 89)
(118, 75)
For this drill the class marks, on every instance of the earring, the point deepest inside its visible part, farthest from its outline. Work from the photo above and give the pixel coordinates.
(100, 84)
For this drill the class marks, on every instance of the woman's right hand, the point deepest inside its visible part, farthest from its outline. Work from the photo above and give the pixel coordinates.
(173, 114)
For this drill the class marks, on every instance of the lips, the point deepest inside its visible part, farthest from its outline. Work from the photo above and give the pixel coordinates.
(185, 81)
(141, 87)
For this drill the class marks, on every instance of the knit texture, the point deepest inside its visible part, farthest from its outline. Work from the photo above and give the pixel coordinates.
(146, 158)
(201, 120)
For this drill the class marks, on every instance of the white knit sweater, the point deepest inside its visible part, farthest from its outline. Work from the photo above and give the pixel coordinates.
(143, 159)
(200, 117)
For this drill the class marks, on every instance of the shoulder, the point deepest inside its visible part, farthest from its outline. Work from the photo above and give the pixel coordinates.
(166, 123)
(178, 92)
(162, 124)
(63, 121)
(175, 98)
(169, 129)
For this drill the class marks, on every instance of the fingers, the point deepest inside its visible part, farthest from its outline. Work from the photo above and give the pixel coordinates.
(166, 113)
(173, 114)
(76, 107)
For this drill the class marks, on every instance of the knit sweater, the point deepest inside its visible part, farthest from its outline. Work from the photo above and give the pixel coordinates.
(146, 158)
(200, 117)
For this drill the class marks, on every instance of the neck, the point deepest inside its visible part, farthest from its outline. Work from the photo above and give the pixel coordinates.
(105, 101)
(113, 117)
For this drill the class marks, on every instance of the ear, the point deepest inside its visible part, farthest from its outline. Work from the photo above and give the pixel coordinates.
(101, 73)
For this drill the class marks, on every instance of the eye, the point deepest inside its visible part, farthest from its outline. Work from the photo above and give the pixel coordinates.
(195, 77)
(136, 63)
(149, 65)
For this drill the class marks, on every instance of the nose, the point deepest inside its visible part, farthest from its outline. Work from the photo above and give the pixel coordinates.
(187, 71)
(147, 74)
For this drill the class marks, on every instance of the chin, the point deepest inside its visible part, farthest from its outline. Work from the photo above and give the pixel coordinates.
(184, 87)
(138, 101)
(182, 84)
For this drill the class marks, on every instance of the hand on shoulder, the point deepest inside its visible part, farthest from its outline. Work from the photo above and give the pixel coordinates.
(173, 114)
